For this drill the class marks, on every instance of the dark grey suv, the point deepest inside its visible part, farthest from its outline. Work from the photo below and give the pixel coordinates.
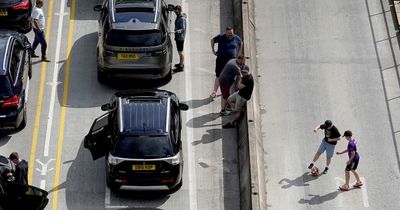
(140, 135)
(133, 39)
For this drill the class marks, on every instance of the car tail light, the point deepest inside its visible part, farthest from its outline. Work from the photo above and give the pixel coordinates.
(167, 180)
(23, 5)
(11, 102)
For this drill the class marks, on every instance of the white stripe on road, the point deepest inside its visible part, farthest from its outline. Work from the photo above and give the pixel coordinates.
(107, 201)
(189, 133)
(364, 192)
(55, 81)
(42, 184)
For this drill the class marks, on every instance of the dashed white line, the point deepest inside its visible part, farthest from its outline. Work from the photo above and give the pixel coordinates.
(42, 184)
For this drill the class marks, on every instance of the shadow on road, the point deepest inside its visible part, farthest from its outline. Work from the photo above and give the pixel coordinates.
(211, 136)
(319, 199)
(4, 138)
(299, 181)
(196, 103)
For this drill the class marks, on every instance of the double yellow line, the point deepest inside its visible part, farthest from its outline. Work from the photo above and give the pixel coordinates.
(63, 104)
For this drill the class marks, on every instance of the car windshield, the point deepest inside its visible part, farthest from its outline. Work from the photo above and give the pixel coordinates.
(135, 38)
(5, 87)
(143, 147)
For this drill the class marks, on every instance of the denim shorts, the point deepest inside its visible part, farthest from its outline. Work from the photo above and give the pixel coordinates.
(330, 148)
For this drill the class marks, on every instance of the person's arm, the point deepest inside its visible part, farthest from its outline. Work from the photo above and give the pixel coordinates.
(333, 139)
(339, 153)
(35, 22)
(212, 46)
(317, 128)
(240, 48)
(240, 84)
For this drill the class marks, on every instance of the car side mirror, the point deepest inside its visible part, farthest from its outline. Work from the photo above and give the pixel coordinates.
(183, 106)
(105, 107)
(98, 8)
(171, 7)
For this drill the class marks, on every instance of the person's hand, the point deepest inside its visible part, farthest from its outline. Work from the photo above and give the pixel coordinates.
(348, 162)
(338, 153)
(315, 130)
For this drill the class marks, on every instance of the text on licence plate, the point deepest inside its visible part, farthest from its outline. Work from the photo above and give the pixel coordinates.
(127, 56)
(143, 167)
(3, 13)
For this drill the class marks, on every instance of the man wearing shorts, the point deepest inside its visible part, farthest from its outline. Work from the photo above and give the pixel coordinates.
(180, 32)
(352, 163)
(239, 98)
(229, 46)
(328, 143)
(227, 78)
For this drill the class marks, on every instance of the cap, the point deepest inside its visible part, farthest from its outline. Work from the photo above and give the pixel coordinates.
(328, 123)
(348, 133)
(245, 69)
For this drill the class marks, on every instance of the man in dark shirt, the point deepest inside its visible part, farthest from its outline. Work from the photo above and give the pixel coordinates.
(21, 169)
(180, 32)
(239, 98)
(328, 143)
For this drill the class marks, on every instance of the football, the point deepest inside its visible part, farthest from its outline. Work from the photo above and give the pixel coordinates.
(315, 171)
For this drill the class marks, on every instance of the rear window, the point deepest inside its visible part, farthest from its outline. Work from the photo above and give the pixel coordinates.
(144, 147)
(10, 1)
(135, 38)
(5, 87)
(125, 15)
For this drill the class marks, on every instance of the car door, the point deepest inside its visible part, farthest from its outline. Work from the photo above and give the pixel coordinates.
(21, 196)
(97, 141)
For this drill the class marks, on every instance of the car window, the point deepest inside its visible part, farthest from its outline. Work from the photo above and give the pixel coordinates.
(10, 1)
(127, 14)
(100, 123)
(144, 147)
(15, 61)
(5, 87)
(135, 38)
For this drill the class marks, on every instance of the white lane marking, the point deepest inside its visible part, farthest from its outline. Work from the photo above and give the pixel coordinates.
(364, 192)
(44, 169)
(27, 90)
(55, 81)
(107, 201)
(42, 184)
(189, 133)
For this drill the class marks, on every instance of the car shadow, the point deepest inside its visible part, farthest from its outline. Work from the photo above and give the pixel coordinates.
(299, 181)
(85, 187)
(4, 138)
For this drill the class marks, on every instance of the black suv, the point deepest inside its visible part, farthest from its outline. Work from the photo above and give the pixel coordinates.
(133, 39)
(15, 68)
(17, 196)
(140, 135)
(16, 15)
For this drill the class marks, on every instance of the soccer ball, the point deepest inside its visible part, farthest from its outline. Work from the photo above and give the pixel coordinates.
(315, 171)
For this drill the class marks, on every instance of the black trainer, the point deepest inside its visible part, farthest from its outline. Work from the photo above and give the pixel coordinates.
(311, 165)
(228, 125)
(33, 55)
(325, 170)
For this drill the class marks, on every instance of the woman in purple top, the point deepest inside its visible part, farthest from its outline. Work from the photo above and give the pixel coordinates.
(352, 163)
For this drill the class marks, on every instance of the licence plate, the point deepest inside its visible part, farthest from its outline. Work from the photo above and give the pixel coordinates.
(143, 167)
(128, 56)
(3, 13)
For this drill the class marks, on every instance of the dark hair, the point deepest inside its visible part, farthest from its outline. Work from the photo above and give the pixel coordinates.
(240, 57)
(179, 8)
(14, 156)
(229, 28)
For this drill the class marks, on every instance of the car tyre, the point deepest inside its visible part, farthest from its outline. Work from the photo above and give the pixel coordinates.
(30, 67)
(24, 119)
(176, 188)
(101, 76)
(112, 185)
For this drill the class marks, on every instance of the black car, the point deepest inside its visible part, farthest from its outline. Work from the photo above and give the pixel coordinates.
(15, 71)
(133, 39)
(140, 135)
(15, 196)
(16, 15)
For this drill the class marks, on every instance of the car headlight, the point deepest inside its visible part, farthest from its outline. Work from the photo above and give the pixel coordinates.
(176, 159)
(112, 160)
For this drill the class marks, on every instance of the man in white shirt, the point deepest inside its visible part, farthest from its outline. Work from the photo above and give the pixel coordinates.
(38, 28)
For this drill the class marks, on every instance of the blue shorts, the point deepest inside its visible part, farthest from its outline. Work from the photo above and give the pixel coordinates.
(330, 148)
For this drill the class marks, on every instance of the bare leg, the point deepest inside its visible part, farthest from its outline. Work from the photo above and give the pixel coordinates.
(328, 160)
(316, 156)
(181, 58)
(347, 176)
(356, 175)
(216, 84)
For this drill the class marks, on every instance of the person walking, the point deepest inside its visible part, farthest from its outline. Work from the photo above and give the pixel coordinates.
(180, 32)
(39, 23)
(352, 163)
(21, 169)
(239, 98)
(227, 78)
(328, 143)
(229, 46)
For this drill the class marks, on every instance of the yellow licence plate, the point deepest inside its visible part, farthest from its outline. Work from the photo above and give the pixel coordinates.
(3, 13)
(143, 167)
(127, 56)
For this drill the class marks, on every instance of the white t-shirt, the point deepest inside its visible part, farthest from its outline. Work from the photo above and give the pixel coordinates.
(37, 14)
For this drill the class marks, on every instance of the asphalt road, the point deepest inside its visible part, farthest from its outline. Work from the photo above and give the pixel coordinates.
(65, 97)
(335, 60)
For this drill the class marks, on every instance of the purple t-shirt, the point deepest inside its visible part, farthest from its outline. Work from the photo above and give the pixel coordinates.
(352, 146)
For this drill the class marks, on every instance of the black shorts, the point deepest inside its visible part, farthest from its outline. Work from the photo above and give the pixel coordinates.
(352, 166)
(220, 64)
(179, 45)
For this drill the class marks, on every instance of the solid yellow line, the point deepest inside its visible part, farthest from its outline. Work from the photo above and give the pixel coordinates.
(63, 106)
(40, 99)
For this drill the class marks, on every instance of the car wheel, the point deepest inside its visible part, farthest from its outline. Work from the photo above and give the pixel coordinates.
(101, 76)
(30, 67)
(24, 119)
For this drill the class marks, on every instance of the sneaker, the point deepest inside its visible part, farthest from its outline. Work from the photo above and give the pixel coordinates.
(44, 59)
(311, 165)
(325, 170)
(213, 94)
(228, 125)
(179, 68)
(344, 187)
(358, 184)
(224, 112)
(33, 55)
